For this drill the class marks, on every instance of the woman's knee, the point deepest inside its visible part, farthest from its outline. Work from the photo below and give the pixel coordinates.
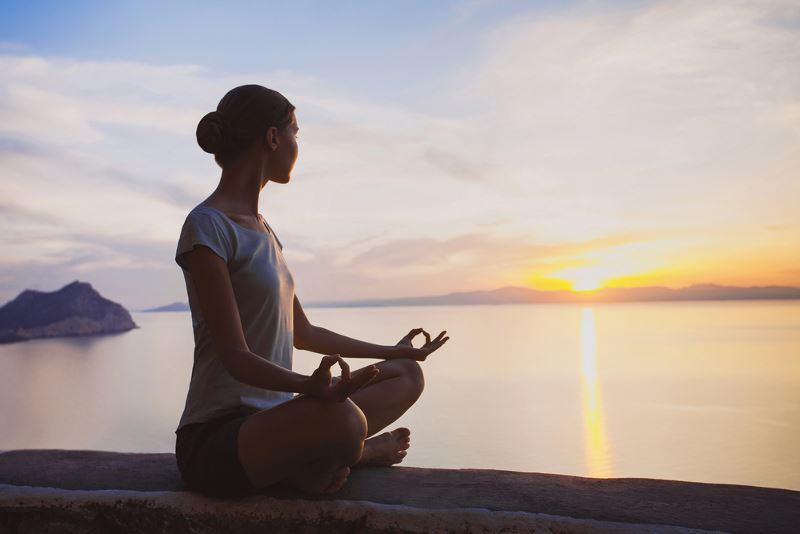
(412, 372)
(353, 420)
(315, 429)
(343, 419)
(349, 428)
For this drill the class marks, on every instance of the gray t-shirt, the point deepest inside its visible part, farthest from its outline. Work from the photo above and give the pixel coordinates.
(264, 290)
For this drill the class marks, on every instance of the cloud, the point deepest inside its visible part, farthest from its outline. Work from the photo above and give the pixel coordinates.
(665, 109)
(423, 266)
(456, 166)
(9, 45)
(582, 124)
(13, 214)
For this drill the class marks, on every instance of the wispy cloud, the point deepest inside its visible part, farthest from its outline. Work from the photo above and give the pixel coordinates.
(12, 46)
(662, 125)
(417, 266)
(667, 109)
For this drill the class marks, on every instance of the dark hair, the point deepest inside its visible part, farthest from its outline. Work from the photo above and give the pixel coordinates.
(244, 114)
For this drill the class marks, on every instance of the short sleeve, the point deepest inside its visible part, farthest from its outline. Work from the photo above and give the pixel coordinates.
(201, 228)
(271, 231)
(278, 240)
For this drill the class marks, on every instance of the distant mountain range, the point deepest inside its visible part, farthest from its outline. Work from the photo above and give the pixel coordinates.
(524, 295)
(175, 306)
(76, 309)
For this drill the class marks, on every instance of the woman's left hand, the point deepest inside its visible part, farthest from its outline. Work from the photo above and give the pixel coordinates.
(404, 348)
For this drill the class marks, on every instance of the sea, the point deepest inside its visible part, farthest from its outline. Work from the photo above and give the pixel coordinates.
(696, 391)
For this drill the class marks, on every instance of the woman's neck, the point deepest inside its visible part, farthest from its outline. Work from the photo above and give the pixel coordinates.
(239, 189)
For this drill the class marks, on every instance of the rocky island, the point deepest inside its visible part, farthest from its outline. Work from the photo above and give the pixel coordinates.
(76, 309)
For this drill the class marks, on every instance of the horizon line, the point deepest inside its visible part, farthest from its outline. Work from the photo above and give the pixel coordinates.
(570, 296)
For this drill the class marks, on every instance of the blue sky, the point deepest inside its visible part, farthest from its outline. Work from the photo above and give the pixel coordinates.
(396, 48)
(444, 146)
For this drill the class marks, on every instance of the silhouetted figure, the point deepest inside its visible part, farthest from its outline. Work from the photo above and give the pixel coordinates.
(242, 429)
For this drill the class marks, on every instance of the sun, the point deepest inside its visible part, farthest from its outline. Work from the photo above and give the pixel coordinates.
(611, 267)
(583, 278)
(586, 281)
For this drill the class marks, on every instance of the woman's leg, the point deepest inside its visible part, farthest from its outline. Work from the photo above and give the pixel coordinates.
(305, 442)
(391, 394)
(383, 401)
(308, 443)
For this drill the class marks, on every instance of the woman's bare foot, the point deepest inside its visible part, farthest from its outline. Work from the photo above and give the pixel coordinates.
(387, 448)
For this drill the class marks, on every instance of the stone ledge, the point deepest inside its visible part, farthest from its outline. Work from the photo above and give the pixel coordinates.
(25, 509)
(49, 490)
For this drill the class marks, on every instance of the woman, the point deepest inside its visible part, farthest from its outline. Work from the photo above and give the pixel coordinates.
(242, 429)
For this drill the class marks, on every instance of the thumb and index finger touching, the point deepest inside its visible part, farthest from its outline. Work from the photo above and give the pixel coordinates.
(366, 377)
(346, 384)
(413, 333)
(331, 359)
(416, 331)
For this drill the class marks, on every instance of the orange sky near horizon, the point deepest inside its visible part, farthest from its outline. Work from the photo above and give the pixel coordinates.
(772, 262)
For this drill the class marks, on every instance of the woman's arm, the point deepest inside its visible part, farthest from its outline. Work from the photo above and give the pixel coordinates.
(324, 341)
(212, 283)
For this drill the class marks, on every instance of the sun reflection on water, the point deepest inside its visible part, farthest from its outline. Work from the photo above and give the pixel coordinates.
(598, 459)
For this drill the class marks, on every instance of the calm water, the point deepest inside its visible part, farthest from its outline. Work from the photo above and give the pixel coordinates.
(703, 391)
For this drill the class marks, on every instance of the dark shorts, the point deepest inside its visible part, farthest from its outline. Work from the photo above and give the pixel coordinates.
(208, 456)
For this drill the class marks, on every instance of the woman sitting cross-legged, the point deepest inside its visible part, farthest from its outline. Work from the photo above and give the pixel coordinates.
(242, 427)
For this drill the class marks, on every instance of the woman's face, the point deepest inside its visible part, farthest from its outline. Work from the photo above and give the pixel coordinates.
(282, 160)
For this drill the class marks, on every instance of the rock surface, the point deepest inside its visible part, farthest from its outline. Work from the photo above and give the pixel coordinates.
(144, 493)
(76, 309)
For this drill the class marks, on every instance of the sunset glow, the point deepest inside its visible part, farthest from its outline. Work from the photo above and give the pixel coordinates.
(586, 281)
(638, 149)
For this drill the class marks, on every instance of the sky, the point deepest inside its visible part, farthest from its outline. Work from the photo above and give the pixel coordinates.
(443, 146)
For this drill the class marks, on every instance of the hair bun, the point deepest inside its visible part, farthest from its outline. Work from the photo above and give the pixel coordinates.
(212, 132)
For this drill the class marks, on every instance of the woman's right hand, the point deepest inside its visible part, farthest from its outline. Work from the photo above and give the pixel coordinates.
(319, 383)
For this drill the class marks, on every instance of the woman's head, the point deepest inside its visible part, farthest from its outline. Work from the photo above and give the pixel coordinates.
(250, 117)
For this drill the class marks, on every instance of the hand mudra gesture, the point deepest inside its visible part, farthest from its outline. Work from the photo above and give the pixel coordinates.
(319, 383)
(404, 348)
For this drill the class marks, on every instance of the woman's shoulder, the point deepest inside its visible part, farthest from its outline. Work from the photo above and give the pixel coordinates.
(212, 214)
(204, 226)
(206, 219)
(205, 209)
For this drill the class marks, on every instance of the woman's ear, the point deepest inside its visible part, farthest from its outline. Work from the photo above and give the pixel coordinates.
(271, 139)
